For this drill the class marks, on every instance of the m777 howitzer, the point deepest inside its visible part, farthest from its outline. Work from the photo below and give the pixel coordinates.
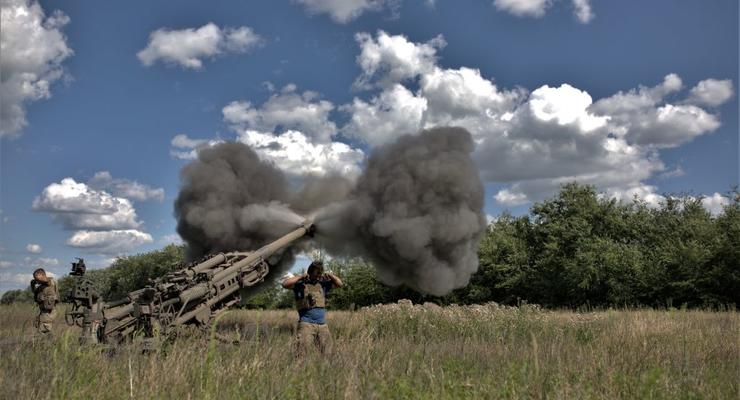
(193, 295)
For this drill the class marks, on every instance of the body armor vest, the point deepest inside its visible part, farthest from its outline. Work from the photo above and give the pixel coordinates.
(313, 296)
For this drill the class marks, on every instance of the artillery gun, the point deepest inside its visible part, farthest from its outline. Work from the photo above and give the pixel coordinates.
(192, 295)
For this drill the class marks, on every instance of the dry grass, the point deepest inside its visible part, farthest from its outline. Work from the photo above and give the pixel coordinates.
(398, 352)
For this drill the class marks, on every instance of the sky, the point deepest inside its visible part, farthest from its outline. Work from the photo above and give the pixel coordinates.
(102, 103)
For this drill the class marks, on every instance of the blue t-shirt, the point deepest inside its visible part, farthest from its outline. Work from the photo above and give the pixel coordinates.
(316, 315)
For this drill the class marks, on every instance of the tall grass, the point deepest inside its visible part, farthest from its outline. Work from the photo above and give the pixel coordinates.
(396, 351)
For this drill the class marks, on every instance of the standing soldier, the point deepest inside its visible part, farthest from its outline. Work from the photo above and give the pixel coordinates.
(310, 291)
(46, 295)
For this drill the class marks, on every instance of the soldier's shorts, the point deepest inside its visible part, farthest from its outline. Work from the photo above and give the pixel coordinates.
(45, 321)
(309, 334)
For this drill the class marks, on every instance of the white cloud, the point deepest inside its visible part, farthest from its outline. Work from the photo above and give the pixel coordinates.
(33, 49)
(386, 59)
(41, 262)
(15, 278)
(109, 242)
(6, 264)
(455, 94)
(394, 112)
(711, 92)
(644, 193)
(105, 223)
(171, 239)
(534, 141)
(125, 188)
(344, 11)
(286, 110)
(78, 206)
(185, 148)
(538, 8)
(293, 131)
(583, 11)
(564, 106)
(33, 248)
(715, 203)
(296, 155)
(507, 197)
(523, 8)
(642, 116)
(188, 47)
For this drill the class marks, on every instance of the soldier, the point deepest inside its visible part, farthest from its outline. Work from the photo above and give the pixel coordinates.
(46, 295)
(310, 291)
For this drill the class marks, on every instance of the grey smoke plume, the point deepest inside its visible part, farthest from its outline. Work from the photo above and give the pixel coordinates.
(230, 200)
(416, 212)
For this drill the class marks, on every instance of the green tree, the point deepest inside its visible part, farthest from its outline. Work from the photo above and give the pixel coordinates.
(17, 296)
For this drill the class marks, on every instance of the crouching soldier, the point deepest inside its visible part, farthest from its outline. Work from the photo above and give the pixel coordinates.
(310, 291)
(46, 295)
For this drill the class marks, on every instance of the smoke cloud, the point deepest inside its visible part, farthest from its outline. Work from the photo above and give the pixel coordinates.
(230, 200)
(416, 211)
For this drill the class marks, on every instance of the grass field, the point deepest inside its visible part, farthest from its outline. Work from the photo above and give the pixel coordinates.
(476, 352)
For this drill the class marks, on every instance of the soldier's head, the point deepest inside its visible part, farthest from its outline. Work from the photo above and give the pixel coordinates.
(315, 270)
(40, 275)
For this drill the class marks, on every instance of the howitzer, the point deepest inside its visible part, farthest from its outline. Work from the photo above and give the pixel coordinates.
(192, 295)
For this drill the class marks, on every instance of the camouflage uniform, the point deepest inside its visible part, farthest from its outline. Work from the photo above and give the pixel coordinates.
(46, 296)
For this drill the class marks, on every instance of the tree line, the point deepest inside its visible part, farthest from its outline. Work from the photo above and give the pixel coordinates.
(576, 249)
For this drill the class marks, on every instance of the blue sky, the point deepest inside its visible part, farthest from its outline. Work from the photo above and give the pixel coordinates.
(103, 103)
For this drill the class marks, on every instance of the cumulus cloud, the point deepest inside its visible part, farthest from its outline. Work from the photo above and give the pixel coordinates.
(644, 193)
(33, 49)
(523, 8)
(456, 94)
(296, 155)
(387, 59)
(293, 131)
(396, 111)
(286, 110)
(33, 248)
(188, 47)
(78, 206)
(6, 264)
(109, 242)
(125, 188)
(715, 203)
(344, 11)
(538, 8)
(11, 279)
(186, 148)
(171, 239)
(711, 92)
(41, 262)
(643, 116)
(511, 197)
(534, 141)
(583, 11)
(104, 223)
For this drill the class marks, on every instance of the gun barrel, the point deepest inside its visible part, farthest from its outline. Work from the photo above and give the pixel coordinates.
(267, 250)
(209, 263)
(306, 228)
